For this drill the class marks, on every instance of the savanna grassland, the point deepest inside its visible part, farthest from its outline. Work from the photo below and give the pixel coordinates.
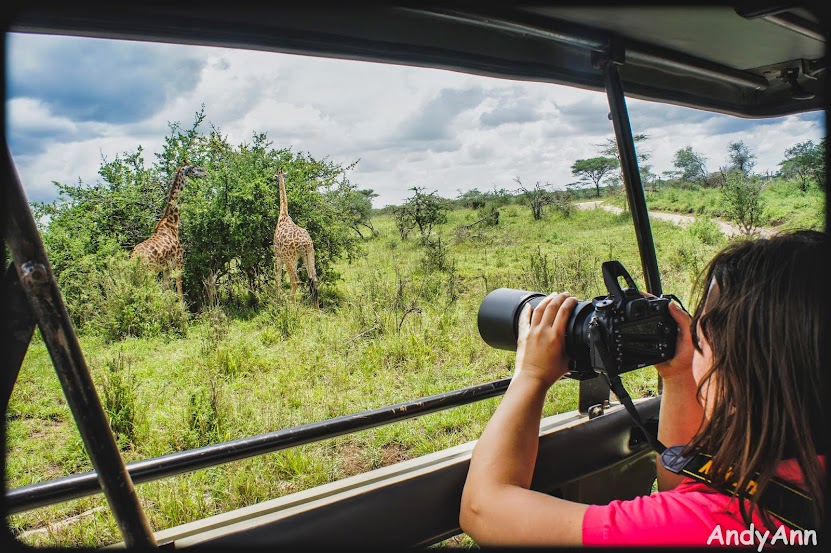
(400, 324)
(399, 292)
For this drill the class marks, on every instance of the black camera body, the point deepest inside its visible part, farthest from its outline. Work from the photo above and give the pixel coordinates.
(623, 331)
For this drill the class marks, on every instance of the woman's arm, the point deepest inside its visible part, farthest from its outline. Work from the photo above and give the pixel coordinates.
(681, 413)
(497, 506)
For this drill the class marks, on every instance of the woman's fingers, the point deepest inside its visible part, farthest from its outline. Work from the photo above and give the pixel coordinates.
(539, 310)
(553, 308)
(563, 315)
(524, 323)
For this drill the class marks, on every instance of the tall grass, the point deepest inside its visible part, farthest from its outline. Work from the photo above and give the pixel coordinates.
(401, 324)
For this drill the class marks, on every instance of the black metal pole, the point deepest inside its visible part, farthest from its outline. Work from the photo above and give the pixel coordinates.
(73, 487)
(609, 62)
(41, 290)
(16, 328)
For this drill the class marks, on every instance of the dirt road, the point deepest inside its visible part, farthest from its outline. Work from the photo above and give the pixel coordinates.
(727, 228)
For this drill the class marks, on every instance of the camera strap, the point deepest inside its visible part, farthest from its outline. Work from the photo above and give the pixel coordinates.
(616, 385)
(781, 500)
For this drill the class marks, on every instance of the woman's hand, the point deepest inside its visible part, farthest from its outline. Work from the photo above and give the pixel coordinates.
(540, 352)
(681, 363)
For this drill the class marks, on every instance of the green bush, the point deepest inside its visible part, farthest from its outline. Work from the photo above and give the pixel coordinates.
(203, 419)
(133, 302)
(707, 231)
(744, 204)
(118, 395)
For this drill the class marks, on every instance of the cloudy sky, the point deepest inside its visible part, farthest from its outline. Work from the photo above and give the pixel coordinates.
(72, 100)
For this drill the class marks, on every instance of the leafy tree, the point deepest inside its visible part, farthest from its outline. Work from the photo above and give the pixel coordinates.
(647, 176)
(690, 165)
(356, 205)
(610, 149)
(227, 218)
(404, 221)
(472, 199)
(741, 158)
(594, 169)
(805, 161)
(743, 202)
(476, 199)
(421, 210)
(228, 222)
(536, 198)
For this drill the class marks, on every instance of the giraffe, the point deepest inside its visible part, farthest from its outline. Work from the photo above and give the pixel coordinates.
(290, 243)
(163, 250)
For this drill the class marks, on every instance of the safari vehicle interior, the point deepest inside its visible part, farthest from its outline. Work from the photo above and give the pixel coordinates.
(744, 59)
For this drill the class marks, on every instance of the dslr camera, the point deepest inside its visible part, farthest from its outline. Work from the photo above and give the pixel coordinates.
(619, 332)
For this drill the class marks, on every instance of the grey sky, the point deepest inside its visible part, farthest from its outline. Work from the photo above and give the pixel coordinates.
(72, 100)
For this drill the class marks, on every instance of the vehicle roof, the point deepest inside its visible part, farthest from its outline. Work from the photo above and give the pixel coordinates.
(712, 57)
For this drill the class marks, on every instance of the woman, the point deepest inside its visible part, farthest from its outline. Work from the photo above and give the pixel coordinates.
(745, 386)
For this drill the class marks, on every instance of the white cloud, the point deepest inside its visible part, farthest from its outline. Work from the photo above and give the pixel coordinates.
(410, 126)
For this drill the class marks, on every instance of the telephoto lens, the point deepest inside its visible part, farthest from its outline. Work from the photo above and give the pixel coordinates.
(498, 322)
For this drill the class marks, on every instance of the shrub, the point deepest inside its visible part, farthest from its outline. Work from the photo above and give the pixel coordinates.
(202, 416)
(119, 399)
(743, 201)
(132, 302)
(707, 231)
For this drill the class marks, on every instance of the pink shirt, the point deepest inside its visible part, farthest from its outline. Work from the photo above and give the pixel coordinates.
(685, 516)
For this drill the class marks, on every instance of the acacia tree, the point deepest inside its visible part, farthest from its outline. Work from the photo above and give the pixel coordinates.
(805, 161)
(743, 202)
(594, 169)
(536, 198)
(741, 158)
(356, 205)
(421, 210)
(690, 164)
(610, 149)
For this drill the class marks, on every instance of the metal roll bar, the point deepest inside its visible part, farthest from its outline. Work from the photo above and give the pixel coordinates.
(73, 487)
(37, 282)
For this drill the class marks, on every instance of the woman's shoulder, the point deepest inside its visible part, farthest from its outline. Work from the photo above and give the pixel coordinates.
(687, 515)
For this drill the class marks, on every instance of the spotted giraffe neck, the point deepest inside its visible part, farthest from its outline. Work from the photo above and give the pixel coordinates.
(284, 204)
(170, 218)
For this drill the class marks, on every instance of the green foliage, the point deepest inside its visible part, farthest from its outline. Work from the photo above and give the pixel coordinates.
(806, 162)
(356, 206)
(743, 201)
(706, 231)
(118, 396)
(436, 256)
(690, 165)
(741, 158)
(133, 303)
(227, 218)
(541, 274)
(476, 199)
(203, 418)
(594, 169)
(422, 211)
(113, 296)
(536, 198)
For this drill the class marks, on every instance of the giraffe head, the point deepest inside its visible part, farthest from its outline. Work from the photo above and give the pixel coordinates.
(193, 171)
(170, 217)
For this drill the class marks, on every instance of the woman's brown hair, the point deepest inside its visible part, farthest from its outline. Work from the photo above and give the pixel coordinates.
(764, 323)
